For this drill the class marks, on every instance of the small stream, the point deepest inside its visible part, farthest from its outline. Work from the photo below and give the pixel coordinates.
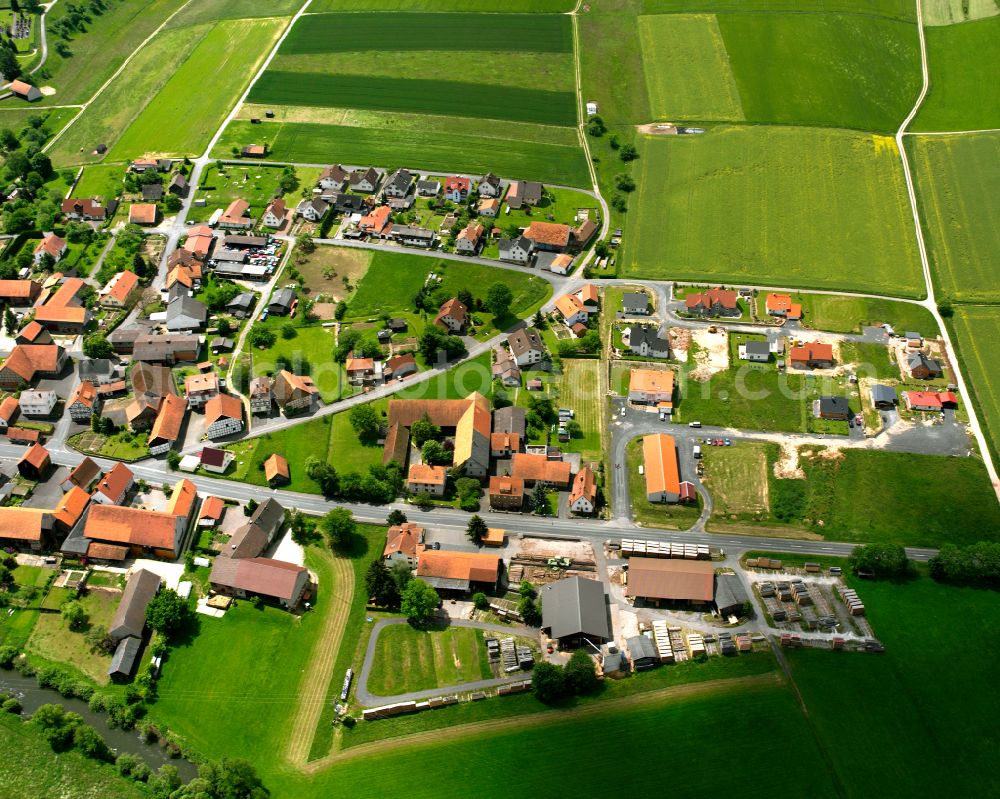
(32, 697)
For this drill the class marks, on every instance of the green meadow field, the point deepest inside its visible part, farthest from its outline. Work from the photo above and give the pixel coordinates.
(846, 314)
(107, 118)
(949, 12)
(887, 722)
(962, 96)
(307, 142)
(330, 33)
(797, 207)
(846, 70)
(385, 93)
(896, 9)
(687, 68)
(95, 53)
(212, 10)
(509, 6)
(231, 52)
(976, 328)
(957, 181)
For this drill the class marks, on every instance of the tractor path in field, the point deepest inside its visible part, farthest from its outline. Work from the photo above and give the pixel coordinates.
(676, 693)
(319, 671)
(367, 698)
(931, 303)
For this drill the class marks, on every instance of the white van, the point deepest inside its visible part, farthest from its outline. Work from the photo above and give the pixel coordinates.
(694, 424)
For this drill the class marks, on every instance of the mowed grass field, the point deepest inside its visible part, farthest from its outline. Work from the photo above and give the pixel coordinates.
(961, 97)
(231, 52)
(976, 328)
(407, 659)
(849, 71)
(948, 12)
(957, 181)
(212, 10)
(580, 390)
(868, 495)
(928, 700)
(791, 207)
(386, 93)
(687, 68)
(442, 151)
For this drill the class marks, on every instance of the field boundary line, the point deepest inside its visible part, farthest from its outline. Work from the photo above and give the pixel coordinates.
(117, 72)
(671, 694)
(316, 681)
(930, 303)
(950, 132)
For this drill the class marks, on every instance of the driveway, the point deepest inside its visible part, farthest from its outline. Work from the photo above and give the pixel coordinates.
(368, 699)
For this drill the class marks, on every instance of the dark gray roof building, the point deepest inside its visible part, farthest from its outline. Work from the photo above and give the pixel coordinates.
(635, 302)
(123, 661)
(883, 395)
(130, 616)
(575, 608)
(186, 313)
(641, 652)
(510, 420)
(729, 594)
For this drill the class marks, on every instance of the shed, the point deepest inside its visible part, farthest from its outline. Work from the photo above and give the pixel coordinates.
(123, 661)
(130, 616)
(883, 396)
(730, 596)
(574, 609)
(641, 652)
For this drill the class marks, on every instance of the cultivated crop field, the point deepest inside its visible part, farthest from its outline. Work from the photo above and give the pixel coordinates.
(958, 178)
(899, 9)
(900, 707)
(835, 70)
(976, 329)
(961, 97)
(510, 6)
(407, 659)
(212, 10)
(330, 33)
(230, 52)
(688, 45)
(305, 142)
(386, 93)
(779, 206)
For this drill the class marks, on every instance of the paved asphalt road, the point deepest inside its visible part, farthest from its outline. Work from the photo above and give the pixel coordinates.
(372, 700)
(156, 472)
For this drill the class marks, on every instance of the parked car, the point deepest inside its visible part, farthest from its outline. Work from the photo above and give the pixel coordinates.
(694, 424)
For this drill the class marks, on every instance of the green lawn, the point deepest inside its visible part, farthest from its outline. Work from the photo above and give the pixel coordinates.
(100, 180)
(329, 33)
(231, 51)
(96, 53)
(393, 279)
(416, 95)
(803, 207)
(973, 328)
(842, 313)
(332, 435)
(750, 397)
(53, 640)
(456, 383)
(837, 70)
(244, 670)
(500, 151)
(313, 344)
(115, 446)
(579, 389)
(16, 118)
(30, 769)
(650, 514)
(257, 184)
(958, 98)
(611, 63)
(736, 477)
(897, 705)
(957, 180)
(688, 45)
(872, 360)
(407, 659)
(868, 495)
